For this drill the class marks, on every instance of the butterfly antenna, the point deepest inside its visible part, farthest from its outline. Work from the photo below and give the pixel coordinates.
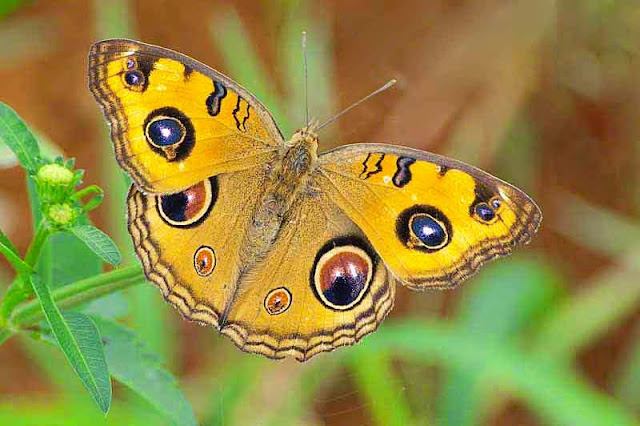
(387, 85)
(306, 84)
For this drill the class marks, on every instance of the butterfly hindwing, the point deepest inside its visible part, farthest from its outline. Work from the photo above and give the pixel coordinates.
(190, 242)
(321, 286)
(433, 220)
(174, 121)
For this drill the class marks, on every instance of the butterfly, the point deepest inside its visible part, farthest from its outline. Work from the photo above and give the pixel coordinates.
(286, 251)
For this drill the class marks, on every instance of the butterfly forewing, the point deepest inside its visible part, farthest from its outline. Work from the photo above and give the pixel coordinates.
(434, 221)
(174, 121)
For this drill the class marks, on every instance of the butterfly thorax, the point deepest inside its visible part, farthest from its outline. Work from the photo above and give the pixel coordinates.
(287, 178)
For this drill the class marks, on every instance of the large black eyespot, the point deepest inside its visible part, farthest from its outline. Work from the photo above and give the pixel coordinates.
(484, 212)
(169, 133)
(424, 228)
(342, 274)
(165, 131)
(189, 207)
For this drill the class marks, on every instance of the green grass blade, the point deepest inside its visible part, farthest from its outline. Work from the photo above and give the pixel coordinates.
(300, 398)
(7, 7)
(15, 134)
(114, 19)
(577, 219)
(379, 386)
(80, 342)
(98, 242)
(243, 63)
(26, 39)
(627, 382)
(299, 17)
(134, 365)
(504, 300)
(591, 313)
(234, 386)
(507, 296)
(70, 409)
(553, 391)
(517, 156)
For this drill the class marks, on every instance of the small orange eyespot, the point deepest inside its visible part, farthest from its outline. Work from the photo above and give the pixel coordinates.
(277, 301)
(204, 261)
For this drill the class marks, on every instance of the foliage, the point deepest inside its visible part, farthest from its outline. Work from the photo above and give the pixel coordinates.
(95, 353)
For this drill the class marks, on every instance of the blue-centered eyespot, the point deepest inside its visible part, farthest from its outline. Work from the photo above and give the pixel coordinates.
(484, 212)
(429, 231)
(134, 78)
(424, 228)
(165, 131)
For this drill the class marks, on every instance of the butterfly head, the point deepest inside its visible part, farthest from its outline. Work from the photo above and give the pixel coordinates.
(306, 138)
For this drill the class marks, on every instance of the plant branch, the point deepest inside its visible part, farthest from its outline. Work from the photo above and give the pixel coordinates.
(18, 264)
(20, 289)
(93, 202)
(33, 253)
(79, 292)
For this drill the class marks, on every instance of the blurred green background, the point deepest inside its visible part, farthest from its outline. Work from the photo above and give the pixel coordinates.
(544, 94)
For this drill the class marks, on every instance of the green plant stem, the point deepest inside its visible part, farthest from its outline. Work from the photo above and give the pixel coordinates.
(80, 292)
(33, 253)
(19, 289)
(94, 201)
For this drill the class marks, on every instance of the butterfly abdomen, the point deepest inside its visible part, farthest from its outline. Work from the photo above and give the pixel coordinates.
(288, 179)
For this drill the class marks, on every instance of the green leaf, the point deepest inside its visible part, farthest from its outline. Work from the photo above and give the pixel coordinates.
(132, 364)
(11, 253)
(111, 306)
(80, 341)
(99, 242)
(14, 133)
(4, 240)
(554, 391)
(58, 264)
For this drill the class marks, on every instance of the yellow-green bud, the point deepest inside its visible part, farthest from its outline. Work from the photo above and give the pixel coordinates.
(61, 214)
(55, 174)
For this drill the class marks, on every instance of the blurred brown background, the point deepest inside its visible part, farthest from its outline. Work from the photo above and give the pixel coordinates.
(558, 79)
